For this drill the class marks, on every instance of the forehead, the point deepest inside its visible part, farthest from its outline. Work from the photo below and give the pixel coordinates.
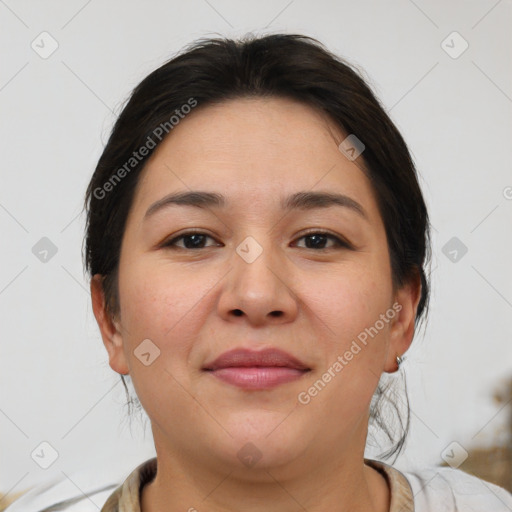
(269, 128)
(253, 150)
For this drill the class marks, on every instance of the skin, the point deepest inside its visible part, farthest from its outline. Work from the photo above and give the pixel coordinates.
(254, 152)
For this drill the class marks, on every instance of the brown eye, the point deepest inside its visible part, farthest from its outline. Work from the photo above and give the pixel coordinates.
(318, 239)
(191, 240)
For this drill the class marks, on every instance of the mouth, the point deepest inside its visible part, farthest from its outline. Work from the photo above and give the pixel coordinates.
(255, 370)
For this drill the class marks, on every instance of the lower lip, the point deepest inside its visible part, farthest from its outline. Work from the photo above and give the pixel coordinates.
(258, 377)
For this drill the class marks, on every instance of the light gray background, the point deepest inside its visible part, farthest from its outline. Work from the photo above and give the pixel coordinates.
(56, 113)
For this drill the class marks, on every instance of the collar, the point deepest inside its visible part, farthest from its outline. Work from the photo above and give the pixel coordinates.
(126, 498)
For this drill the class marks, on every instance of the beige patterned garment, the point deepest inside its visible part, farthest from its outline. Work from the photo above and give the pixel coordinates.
(126, 498)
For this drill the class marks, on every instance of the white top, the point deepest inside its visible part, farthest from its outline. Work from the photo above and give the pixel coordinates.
(446, 490)
(435, 489)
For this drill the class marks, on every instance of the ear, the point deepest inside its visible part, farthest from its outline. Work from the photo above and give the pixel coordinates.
(109, 328)
(403, 324)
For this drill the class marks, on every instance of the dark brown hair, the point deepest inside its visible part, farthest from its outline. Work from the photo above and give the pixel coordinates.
(280, 65)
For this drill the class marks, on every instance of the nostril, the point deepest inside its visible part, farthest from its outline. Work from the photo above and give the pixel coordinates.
(276, 313)
(237, 312)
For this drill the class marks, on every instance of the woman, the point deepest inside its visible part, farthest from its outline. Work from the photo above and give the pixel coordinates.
(257, 243)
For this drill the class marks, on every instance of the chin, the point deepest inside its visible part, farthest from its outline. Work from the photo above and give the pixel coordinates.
(264, 442)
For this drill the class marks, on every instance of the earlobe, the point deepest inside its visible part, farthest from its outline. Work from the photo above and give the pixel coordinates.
(402, 329)
(109, 327)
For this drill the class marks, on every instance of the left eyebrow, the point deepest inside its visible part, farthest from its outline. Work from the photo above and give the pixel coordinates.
(299, 201)
(311, 200)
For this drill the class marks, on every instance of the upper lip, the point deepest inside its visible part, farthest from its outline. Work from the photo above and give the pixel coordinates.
(241, 357)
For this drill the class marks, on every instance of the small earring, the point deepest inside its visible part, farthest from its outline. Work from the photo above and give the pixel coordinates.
(399, 361)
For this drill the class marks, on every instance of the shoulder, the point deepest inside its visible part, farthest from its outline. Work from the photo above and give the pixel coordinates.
(87, 491)
(446, 489)
(74, 493)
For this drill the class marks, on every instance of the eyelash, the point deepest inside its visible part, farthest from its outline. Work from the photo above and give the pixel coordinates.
(340, 242)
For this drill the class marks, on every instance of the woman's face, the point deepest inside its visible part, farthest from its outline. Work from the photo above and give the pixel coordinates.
(260, 275)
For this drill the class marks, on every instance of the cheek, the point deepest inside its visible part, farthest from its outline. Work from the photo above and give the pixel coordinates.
(348, 300)
(155, 297)
(163, 306)
(350, 304)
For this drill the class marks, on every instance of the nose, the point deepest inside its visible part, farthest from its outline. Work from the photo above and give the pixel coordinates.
(259, 290)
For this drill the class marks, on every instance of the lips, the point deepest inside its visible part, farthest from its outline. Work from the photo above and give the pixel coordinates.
(245, 358)
(262, 370)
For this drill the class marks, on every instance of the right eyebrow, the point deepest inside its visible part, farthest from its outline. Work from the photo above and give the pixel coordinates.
(197, 199)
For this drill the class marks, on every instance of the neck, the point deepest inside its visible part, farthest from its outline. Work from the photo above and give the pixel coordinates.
(341, 482)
